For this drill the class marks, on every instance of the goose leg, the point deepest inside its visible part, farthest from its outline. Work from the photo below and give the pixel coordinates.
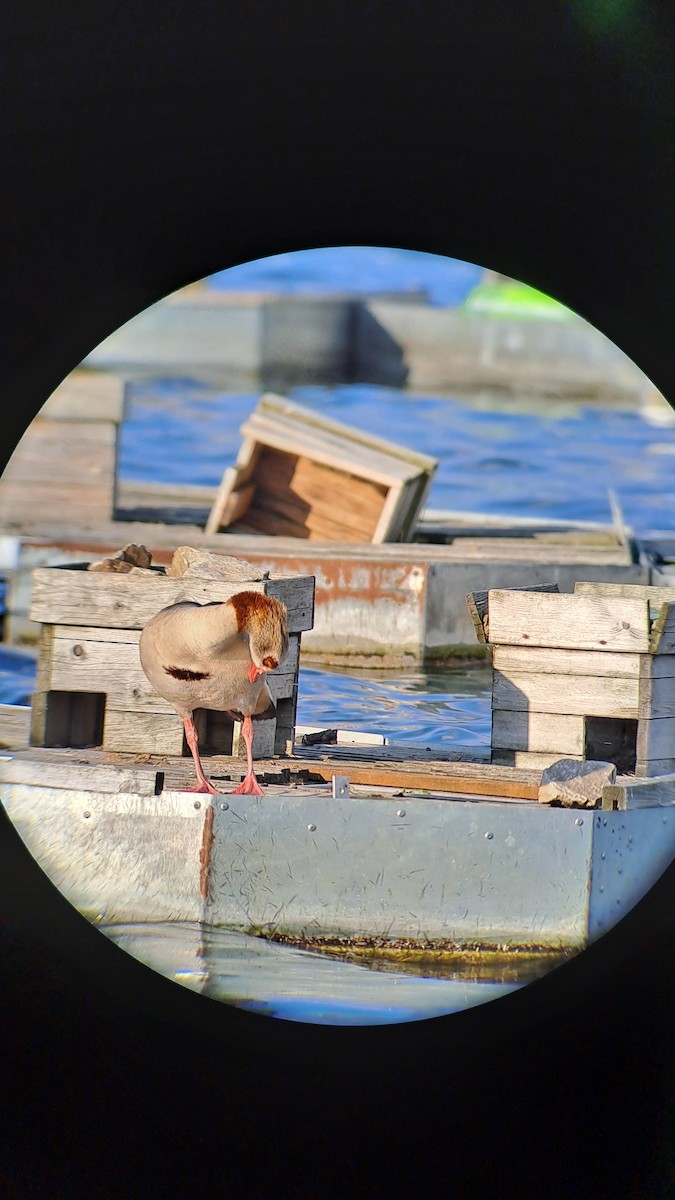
(203, 784)
(248, 786)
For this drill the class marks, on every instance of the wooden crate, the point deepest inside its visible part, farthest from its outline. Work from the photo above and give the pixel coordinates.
(585, 675)
(65, 466)
(299, 474)
(91, 689)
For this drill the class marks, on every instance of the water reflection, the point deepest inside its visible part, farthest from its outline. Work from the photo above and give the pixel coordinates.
(300, 985)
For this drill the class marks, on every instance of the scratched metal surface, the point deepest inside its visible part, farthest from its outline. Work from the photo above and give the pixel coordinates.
(114, 855)
(631, 850)
(510, 873)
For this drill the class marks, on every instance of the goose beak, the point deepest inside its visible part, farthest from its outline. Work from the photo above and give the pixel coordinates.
(254, 673)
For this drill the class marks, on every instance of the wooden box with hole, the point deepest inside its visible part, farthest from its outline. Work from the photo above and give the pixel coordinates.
(90, 687)
(588, 675)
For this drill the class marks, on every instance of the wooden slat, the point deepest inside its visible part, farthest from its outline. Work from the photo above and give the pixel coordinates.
(655, 766)
(14, 725)
(87, 396)
(629, 591)
(428, 777)
(529, 758)
(663, 631)
(72, 775)
(61, 596)
(142, 733)
(538, 732)
(580, 695)
(544, 661)
(568, 621)
(627, 793)
(477, 603)
(656, 738)
(271, 403)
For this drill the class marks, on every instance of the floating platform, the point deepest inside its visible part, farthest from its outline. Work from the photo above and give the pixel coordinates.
(392, 605)
(252, 339)
(322, 857)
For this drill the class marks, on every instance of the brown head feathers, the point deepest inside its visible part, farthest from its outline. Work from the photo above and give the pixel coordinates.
(263, 618)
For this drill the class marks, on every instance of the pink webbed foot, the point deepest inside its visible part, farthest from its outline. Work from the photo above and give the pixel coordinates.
(206, 786)
(249, 786)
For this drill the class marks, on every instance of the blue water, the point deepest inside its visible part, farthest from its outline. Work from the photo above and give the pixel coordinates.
(300, 985)
(363, 270)
(535, 459)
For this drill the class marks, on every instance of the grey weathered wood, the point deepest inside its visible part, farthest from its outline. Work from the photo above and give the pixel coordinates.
(569, 621)
(477, 603)
(582, 695)
(541, 660)
(530, 759)
(650, 767)
(68, 773)
(538, 732)
(61, 596)
(628, 792)
(656, 738)
(14, 725)
(663, 631)
(87, 396)
(638, 591)
(142, 732)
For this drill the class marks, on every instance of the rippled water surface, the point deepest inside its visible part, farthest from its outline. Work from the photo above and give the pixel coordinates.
(530, 458)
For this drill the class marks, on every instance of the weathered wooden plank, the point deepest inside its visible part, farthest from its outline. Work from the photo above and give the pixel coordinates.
(477, 603)
(538, 732)
(581, 695)
(512, 549)
(421, 777)
(652, 593)
(271, 403)
(529, 758)
(541, 660)
(655, 766)
(87, 396)
(61, 596)
(656, 738)
(141, 780)
(627, 792)
(657, 697)
(663, 631)
(324, 447)
(14, 726)
(569, 621)
(142, 732)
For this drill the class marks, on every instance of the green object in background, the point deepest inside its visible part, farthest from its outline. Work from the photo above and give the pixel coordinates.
(512, 299)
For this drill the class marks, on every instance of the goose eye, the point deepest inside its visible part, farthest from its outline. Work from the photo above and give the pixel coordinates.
(270, 663)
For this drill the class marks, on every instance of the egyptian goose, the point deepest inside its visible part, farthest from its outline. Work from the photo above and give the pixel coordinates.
(216, 656)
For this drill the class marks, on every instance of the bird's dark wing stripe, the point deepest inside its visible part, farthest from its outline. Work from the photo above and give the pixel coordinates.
(182, 673)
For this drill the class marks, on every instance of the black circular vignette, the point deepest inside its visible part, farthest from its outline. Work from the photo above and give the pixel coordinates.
(148, 148)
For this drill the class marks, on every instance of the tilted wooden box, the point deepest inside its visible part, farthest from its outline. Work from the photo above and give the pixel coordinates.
(585, 675)
(300, 474)
(90, 687)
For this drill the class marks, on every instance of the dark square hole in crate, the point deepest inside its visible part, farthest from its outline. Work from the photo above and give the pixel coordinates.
(215, 731)
(68, 719)
(612, 739)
